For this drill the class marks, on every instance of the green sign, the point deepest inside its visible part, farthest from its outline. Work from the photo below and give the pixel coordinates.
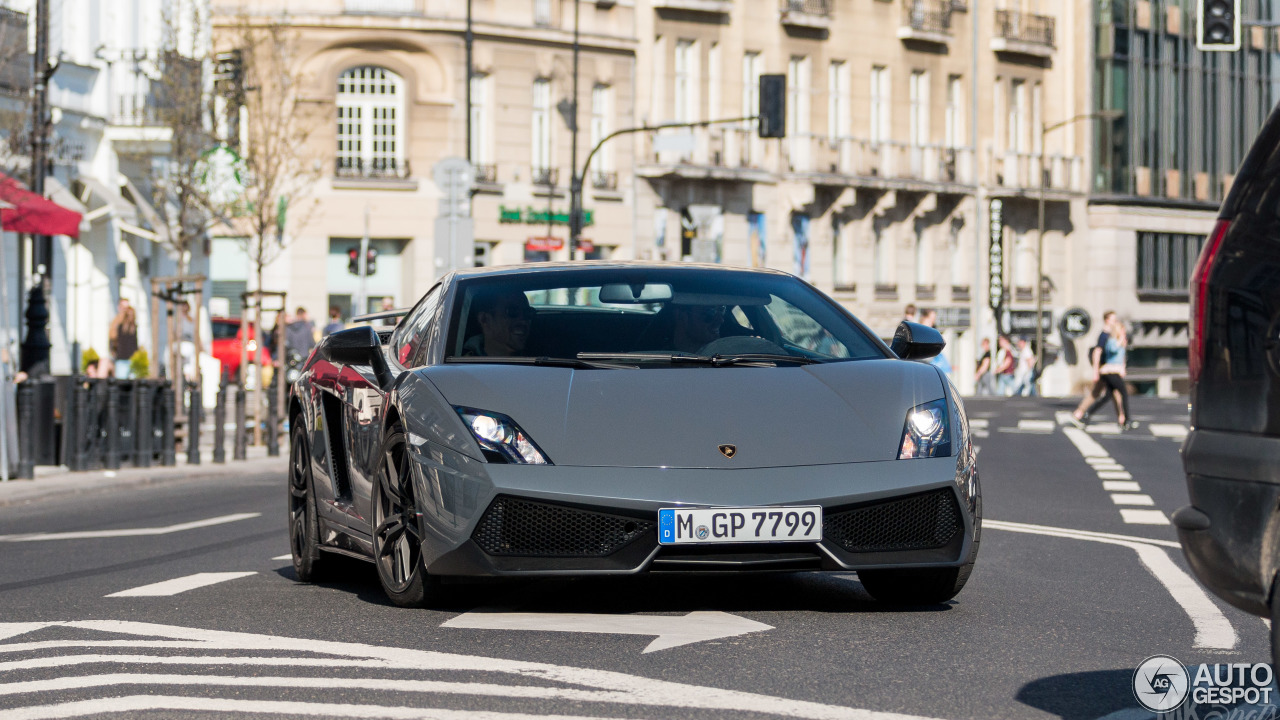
(534, 216)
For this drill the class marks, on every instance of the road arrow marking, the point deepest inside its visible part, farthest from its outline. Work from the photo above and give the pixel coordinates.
(134, 532)
(672, 630)
(180, 585)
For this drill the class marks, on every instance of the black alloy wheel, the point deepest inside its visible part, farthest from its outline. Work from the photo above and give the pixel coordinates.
(397, 535)
(304, 526)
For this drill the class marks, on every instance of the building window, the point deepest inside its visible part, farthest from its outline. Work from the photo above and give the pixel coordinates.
(841, 274)
(481, 131)
(1018, 116)
(542, 12)
(919, 108)
(798, 109)
(714, 112)
(370, 107)
(880, 259)
(955, 112)
(881, 112)
(1165, 261)
(837, 100)
(924, 262)
(601, 109)
(657, 99)
(541, 126)
(686, 81)
(750, 106)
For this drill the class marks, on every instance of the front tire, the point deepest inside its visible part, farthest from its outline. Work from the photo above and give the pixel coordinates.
(304, 524)
(397, 535)
(924, 586)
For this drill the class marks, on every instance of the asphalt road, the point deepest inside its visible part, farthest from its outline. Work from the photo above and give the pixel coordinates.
(1052, 623)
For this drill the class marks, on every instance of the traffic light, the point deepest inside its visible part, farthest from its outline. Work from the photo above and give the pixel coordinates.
(371, 262)
(773, 106)
(1218, 26)
(353, 261)
(229, 70)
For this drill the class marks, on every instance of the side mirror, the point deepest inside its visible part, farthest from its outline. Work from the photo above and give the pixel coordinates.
(354, 346)
(914, 341)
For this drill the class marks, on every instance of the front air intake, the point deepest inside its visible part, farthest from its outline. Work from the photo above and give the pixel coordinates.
(514, 527)
(918, 522)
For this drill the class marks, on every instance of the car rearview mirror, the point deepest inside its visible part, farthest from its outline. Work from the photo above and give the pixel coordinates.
(622, 293)
(914, 341)
(354, 346)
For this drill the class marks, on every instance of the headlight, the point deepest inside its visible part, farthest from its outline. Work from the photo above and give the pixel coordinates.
(501, 438)
(927, 432)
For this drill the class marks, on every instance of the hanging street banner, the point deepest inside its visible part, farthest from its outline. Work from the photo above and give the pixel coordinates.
(995, 256)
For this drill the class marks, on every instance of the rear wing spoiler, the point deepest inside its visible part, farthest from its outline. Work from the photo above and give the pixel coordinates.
(385, 315)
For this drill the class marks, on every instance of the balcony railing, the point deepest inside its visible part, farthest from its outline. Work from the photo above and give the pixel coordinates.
(1017, 28)
(1022, 171)
(544, 176)
(807, 13)
(604, 180)
(135, 110)
(357, 168)
(926, 19)
(486, 174)
(893, 160)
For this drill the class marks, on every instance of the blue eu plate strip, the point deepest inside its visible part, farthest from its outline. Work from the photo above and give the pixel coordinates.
(666, 526)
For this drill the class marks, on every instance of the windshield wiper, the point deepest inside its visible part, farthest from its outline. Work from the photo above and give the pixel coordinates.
(579, 363)
(757, 359)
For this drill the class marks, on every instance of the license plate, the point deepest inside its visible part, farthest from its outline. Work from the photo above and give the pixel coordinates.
(694, 526)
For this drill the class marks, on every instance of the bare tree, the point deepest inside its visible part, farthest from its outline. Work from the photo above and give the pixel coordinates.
(15, 95)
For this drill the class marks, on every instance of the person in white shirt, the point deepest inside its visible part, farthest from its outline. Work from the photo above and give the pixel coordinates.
(1025, 374)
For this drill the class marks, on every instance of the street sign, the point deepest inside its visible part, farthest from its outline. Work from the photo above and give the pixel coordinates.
(958, 318)
(995, 256)
(1024, 321)
(220, 175)
(544, 244)
(454, 230)
(1075, 323)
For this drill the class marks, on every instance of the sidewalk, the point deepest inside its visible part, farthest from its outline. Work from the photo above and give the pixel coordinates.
(53, 482)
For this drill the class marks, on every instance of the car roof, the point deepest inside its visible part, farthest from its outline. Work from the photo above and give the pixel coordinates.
(555, 267)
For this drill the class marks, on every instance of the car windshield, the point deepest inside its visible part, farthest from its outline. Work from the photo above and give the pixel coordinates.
(651, 317)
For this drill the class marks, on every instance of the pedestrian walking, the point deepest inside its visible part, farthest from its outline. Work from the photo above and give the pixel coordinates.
(909, 313)
(984, 378)
(1006, 364)
(335, 322)
(1024, 375)
(123, 338)
(300, 334)
(1108, 358)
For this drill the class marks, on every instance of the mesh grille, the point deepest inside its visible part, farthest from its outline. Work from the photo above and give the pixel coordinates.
(532, 529)
(919, 522)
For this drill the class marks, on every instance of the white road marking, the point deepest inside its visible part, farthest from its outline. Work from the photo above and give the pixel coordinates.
(181, 585)
(1213, 630)
(672, 630)
(624, 689)
(283, 557)
(1087, 446)
(1121, 486)
(1112, 475)
(1104, 428)
(1097, 462)
(1143, 517)
(1176, 432)
(1044, 426)
(134, 532)
(979, 423)
(1132, 499)
(1108, 467)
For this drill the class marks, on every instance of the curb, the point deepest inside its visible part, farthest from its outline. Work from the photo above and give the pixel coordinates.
(66, 484)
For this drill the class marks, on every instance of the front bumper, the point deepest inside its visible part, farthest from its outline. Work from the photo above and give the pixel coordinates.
(866, 507)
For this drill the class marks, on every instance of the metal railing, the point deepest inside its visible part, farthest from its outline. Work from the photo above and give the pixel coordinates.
(486, 173)
(356, 168)
(820, 8)
(1030, 170)
(1025, 27)
(544, 176)
(601, 180)
(135, 110)
(930, 16)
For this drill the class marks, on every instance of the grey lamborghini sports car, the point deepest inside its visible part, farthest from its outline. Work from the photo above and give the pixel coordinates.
(589, 419)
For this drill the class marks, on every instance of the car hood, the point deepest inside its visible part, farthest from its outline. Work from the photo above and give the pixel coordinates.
(678, 417)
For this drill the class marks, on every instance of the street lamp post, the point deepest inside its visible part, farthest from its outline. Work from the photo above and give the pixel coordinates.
(1045, 129)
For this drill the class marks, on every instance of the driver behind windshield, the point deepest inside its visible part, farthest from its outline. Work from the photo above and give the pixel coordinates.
(694, 326)
(505, 319)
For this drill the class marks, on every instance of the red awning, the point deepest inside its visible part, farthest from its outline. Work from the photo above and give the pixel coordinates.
(33, 214)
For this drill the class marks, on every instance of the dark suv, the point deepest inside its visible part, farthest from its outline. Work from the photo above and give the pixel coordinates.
(1231, 531)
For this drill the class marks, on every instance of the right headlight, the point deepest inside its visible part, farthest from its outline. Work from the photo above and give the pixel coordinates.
(927, 432)
(501, 438)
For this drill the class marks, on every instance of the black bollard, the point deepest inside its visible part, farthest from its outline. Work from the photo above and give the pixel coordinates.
(75, 438)
(273, 427)
(112, 459)
(168, 416)
(220, 425)
(26, 431)
(242, 427)
(142, 438)
(193, 426)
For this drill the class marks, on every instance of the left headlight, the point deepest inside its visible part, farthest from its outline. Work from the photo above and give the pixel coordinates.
(501, 439)
(927, 432)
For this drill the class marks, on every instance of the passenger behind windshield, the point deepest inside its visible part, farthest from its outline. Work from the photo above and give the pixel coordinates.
(695, 326)
(505, 320)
